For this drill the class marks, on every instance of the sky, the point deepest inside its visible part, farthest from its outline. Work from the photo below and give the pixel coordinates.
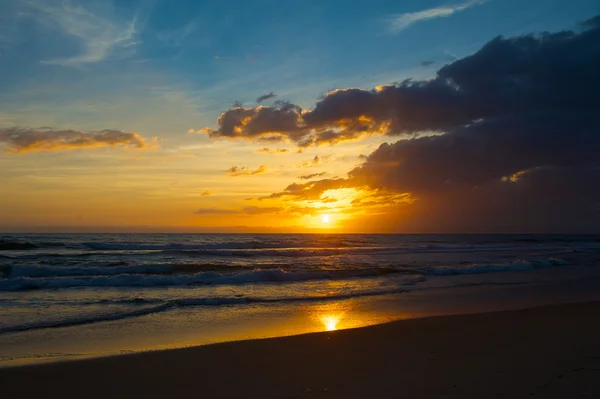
(378, 116)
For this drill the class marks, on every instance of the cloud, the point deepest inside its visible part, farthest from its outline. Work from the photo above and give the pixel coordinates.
(100, 36)
(23, 139)
(255, 210)
(310, 176)
(206, 193)
(267, 150)
(506, 76)
(316, 161)
(350, 114)
(179, 37)
(403, 21)
(262, 121)
(518, 143)
(243, 171)
(266, 97)
(593, 22)
(216, 211)
(311, 190)
(427, 63)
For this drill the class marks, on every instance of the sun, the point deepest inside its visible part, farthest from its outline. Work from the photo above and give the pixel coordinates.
(325, 219)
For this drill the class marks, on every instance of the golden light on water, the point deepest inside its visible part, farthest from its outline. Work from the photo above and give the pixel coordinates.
(330, 322)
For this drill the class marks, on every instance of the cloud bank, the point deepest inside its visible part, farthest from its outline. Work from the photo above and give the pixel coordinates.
(22, 139)
(519, 144)
(508, 76)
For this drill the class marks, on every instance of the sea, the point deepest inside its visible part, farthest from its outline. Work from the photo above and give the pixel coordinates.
(65, 296)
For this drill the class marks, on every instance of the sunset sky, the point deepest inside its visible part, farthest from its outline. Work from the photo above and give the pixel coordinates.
(292, 116)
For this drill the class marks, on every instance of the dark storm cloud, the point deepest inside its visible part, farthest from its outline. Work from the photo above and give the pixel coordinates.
(485, 151)
(22, 139)
(593, 22)
(266, 97)
(506, 77)
(520, 149)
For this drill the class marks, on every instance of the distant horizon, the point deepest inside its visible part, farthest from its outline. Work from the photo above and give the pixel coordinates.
(164, 230)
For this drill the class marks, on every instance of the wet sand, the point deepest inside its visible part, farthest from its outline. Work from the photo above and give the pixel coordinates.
(548, 352)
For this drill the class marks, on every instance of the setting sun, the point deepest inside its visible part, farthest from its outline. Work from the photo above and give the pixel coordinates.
(325, 218)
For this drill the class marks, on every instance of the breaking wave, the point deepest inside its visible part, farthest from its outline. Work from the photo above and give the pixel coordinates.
(30, 278)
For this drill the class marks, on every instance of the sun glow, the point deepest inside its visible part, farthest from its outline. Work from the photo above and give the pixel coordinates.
(325, 219)
(330, 322)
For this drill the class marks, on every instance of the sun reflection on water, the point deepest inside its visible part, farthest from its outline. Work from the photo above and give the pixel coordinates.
(330, 322)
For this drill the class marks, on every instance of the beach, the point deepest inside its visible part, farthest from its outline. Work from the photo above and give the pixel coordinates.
(544, 352)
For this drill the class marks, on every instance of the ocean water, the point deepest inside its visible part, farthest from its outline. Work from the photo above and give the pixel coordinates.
(69, 280)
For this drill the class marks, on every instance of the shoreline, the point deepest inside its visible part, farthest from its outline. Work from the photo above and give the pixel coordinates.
(494, 354)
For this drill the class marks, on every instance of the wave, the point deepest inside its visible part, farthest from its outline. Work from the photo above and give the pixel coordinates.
(150, 306)
(116, 268)
(203, 278)
(30, 278)
(517, 265)
(147, 309)
(6, 245)
(316, 251)
(45, 271)
(84, 319)
(253, 245)
(289, 248)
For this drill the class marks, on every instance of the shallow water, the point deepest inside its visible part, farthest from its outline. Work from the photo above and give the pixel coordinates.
(220, 287)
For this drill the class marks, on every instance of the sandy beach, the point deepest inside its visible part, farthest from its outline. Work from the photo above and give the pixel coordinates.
(547, 352)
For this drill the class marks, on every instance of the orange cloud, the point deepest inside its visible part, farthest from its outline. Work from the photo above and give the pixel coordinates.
(317, 160)
(267, 150)
(22, 140)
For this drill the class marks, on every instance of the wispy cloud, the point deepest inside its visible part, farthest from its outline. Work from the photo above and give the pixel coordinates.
(243, 171)
(100, 34)
(267, 150)
(310, 176)
(403, 21)
(179, 36)
(266, 97)
(216, 211)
